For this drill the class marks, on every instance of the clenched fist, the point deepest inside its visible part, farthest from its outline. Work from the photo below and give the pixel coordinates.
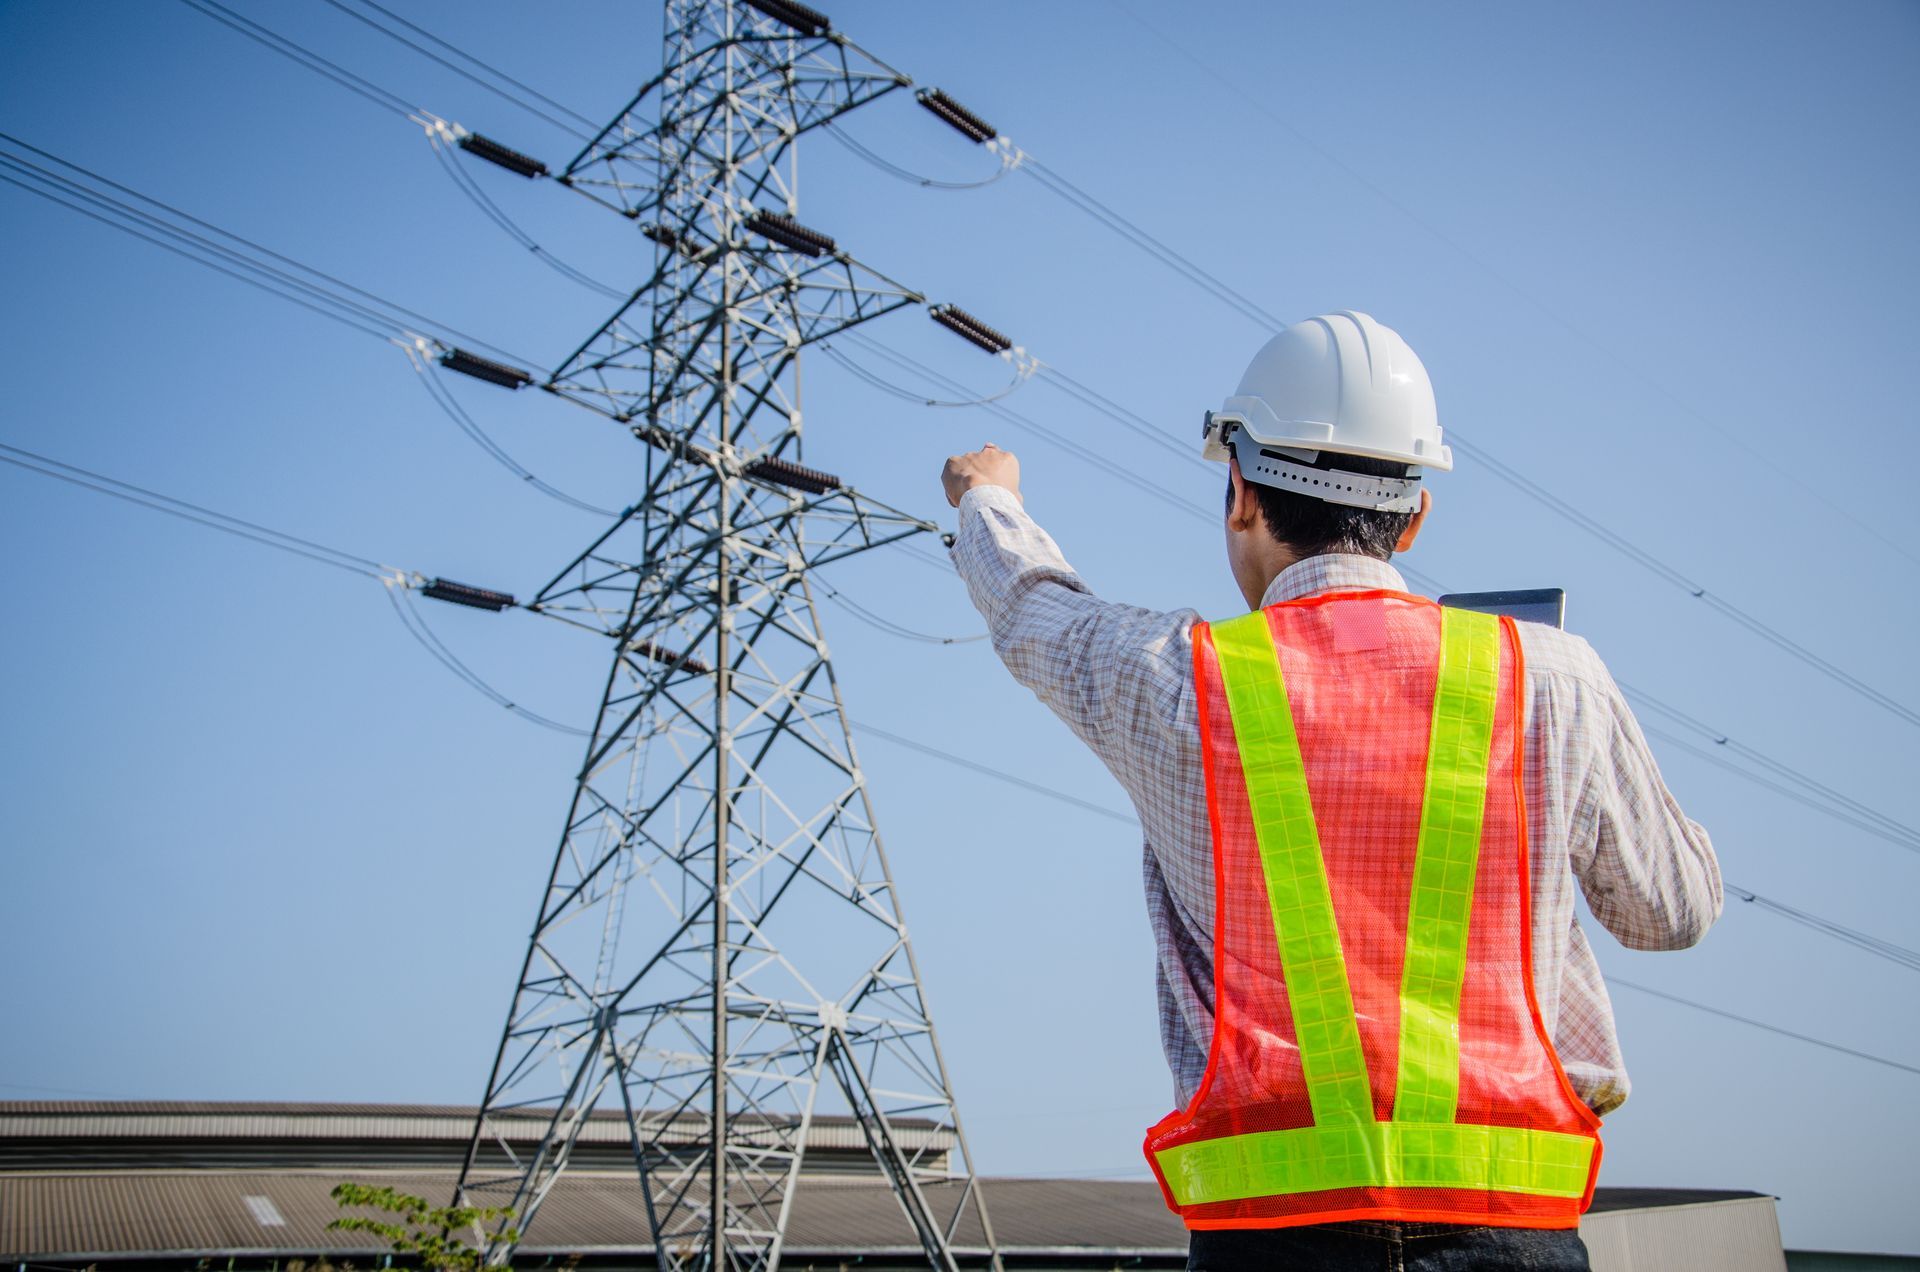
(988, 466)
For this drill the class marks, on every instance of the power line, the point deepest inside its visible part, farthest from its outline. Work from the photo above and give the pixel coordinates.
(463, 181)
(1671, 574)
(312, 61)
(906, 174)
(74, 475)
(521, 102)
(1127, 418)
(492, 70)
(1827, 801)
(396, 580)
(1761, 1024)
(264, 269)
(1147, 243)
(1881, 824)
(1873, 945)
(1020, 377)
(887, 625)
(915, 553)
(416, 625)
(431, 124)
(1037, 788)
(249, 280)
(443, 398)
(1049, 436)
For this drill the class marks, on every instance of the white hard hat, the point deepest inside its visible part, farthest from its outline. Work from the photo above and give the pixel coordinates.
(1343, 384)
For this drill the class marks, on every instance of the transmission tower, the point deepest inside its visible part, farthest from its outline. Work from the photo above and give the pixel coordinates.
(719, 955)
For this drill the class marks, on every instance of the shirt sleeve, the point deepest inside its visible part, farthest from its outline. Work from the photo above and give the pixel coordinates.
(1649, 872)
(1115, 674)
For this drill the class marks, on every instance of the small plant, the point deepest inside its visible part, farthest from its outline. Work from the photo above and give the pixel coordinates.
(418, 1229)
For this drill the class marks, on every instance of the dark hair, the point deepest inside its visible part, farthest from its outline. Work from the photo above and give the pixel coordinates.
(1312, 526)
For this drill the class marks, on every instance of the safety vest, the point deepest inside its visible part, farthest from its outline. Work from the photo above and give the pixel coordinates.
(1377, 1048)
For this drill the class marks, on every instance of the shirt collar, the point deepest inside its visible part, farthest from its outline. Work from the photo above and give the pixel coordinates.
(1332, 572)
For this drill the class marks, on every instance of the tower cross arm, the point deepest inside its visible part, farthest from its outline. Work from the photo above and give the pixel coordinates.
(670, 126)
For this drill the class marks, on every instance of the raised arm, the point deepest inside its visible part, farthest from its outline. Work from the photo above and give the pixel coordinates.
(1111, 672)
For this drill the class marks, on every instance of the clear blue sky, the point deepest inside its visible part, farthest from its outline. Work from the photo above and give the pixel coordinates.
(1660, 258)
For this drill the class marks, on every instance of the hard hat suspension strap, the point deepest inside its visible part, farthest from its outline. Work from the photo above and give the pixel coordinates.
(1354, 490)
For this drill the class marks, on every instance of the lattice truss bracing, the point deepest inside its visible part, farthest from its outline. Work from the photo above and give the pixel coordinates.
(719, 955)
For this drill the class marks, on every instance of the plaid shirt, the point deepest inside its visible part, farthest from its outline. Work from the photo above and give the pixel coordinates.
(1122, 679)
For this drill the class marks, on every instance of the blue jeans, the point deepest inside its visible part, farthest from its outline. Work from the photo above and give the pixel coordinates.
(1375, 1246)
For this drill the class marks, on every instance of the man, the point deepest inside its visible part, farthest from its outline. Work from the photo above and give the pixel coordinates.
(1364, 820)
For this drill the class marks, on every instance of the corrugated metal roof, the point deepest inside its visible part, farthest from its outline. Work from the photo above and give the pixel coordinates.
(206, 1213)
(101, 1120)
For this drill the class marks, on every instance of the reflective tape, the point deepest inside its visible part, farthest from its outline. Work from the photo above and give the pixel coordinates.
(1302, 905)
(1427, 1088)
(1378, 1155)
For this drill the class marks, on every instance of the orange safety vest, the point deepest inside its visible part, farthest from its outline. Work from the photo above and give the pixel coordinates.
(1377, 1049)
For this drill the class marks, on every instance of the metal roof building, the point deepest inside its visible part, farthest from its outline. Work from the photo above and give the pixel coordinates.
(132, 1186)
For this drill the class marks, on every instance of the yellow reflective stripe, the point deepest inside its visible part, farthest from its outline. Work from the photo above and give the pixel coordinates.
(1427, 1088)
(1378, 1155)
(1310, 955)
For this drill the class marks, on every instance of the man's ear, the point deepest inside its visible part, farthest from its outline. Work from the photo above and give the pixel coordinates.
(1244, 512)
(1412, 531)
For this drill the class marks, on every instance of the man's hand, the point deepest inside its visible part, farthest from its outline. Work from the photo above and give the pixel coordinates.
(988, 466)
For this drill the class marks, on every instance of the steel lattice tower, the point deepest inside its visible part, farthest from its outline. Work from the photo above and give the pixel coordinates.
(719, 952)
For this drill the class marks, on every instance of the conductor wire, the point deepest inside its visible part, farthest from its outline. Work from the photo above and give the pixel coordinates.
(444, 399)
(912, 178)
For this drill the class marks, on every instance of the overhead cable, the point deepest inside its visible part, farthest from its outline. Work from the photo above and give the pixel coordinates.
(450, 405)
(1089, 456)
(238, 256)
(417, 627)
(887, 625)
(1128, 419)
(437, 130)
(174, 244)
(1761, 1024)
(488, 68)
(495, 89)
(1880, 823)
(1811, 794)
(438, 134)
(1671, 574)
(1001, 775)
(880, 382)
(1152, 246)
(1879, 948)
(914, 552)
(312, 61)
(892, 169)
(74, 475)
(396, 580)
